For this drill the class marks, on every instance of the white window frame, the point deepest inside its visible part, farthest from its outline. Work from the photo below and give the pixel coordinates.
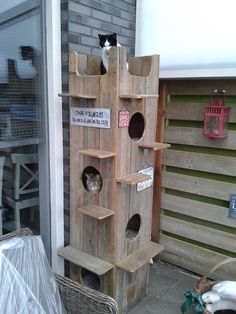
(53, 53)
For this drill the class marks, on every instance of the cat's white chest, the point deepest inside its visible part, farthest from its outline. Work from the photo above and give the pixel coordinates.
(105, 54)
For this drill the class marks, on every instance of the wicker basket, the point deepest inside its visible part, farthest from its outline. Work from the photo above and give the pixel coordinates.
(205, 285)
(77, 299)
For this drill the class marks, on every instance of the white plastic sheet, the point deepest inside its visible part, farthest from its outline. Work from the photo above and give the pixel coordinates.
(27, 283)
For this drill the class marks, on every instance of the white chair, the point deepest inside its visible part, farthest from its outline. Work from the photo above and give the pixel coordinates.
(2, 160)
(26, 185)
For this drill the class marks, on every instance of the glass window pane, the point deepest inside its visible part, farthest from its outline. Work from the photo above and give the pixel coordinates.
(6, 5)
(21, 116)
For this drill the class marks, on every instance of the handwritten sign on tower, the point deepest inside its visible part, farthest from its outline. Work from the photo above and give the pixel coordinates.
(91, 117)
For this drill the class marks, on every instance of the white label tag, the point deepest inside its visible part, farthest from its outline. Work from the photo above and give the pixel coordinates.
(146, 184)
(91, 117)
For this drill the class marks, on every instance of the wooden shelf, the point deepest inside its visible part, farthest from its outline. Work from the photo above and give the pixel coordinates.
(101, 154)
(140, 257)
(87, 261)
(141, 96)
(96, 211)
(77, 96)
(154, 146)
(134, 178)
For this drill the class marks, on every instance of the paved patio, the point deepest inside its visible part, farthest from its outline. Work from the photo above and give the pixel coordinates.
(167, 285)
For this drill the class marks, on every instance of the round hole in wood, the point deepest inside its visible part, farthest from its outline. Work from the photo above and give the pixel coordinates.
(92, 180)
(133, 226)
(90, 279)
(136, 126)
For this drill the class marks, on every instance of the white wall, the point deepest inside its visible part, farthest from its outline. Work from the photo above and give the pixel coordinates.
(193, 38)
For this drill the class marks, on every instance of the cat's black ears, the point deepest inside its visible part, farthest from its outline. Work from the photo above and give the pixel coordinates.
(102, 35)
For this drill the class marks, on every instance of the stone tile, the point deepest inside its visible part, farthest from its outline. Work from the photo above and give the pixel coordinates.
(165, 295)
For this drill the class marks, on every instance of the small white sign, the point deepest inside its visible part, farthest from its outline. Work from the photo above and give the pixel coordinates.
(91, 117)
(232, 207)
(146, 184)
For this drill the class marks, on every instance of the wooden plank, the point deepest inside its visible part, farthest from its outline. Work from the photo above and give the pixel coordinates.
(87, 261)
(107, 196)
(133, 178)
(72, 62)
(93, 65)
(194, 258)
(202, 162)
(199, 186)
(137, 259)
(77, 95)
(96, 212)
(158, 160)
(193, 111)
(81, 64)
(200, 86)
(154, 146)
(97, 153)
(193, 231)
(194, 136)
(135, 96)
(200, 210)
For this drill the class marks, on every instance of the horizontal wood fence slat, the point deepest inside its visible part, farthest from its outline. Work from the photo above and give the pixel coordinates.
(195, 137)
(210, 236)
(200, 186)
(196, 259)
(200, 210)
(202, 162)
(201, 87)
(193, 111)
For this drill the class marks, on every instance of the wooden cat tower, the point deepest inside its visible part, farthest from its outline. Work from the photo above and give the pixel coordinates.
(112, 132)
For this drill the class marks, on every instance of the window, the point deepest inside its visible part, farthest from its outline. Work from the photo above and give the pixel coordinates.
(23, 128)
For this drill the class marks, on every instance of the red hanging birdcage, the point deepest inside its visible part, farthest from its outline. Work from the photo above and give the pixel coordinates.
(216, 118)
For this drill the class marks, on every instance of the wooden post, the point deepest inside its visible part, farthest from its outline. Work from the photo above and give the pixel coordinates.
(158, 164)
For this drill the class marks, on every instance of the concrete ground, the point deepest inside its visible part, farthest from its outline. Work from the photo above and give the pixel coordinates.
(167, 285)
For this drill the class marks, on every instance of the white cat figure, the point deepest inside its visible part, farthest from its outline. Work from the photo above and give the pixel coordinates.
(221, 297)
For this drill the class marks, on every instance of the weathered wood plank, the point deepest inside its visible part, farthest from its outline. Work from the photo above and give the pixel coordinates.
(77, 96)
(155, 146)
(136, 96)
(158, 161)
(201, 87)
(96, 211)
(97, 153)
(199, 233)
(87, 261)
(194, 258)
(137, 259)
(202, 162)
(93, 65)
(193, 111)
(210, 188)
(133, 178)
(200, 210)
(195, 137)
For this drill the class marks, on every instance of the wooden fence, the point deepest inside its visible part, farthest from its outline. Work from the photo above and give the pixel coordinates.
(199, 175)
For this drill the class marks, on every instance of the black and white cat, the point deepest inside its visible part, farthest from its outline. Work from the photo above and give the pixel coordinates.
(106, 42)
